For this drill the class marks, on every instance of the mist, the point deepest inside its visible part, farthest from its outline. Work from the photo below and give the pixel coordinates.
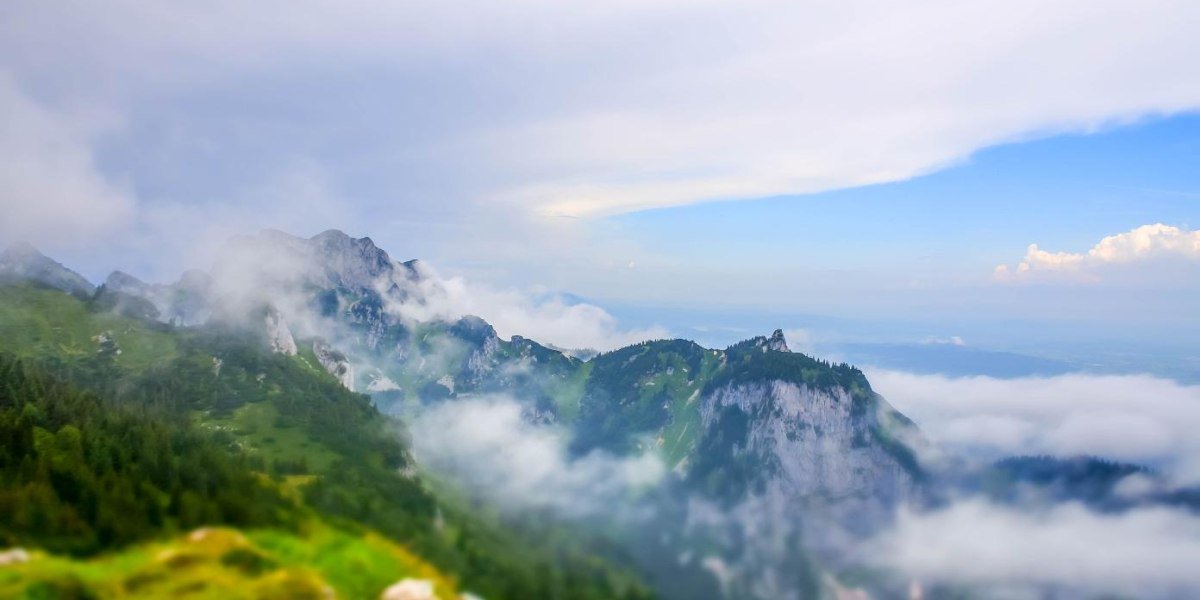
(1025, 552)
(486, 444)
(1137, 418)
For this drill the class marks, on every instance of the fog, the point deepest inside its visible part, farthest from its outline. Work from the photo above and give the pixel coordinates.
(1138, 418)
(1024, 552)
(486, 443)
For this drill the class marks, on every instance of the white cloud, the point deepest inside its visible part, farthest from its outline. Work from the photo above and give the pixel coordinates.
(1147, 552)
(546, 318)
(1145, 243)
(485, 444)
(616, 106)
(954, 340)
(50, 185)
(1127, 417)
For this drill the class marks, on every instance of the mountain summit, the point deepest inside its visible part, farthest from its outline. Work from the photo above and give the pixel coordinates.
(22, 261)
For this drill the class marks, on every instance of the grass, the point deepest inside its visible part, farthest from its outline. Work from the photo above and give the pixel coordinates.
(221, 563)
(36, 322)
(568, 392)
(255, 426)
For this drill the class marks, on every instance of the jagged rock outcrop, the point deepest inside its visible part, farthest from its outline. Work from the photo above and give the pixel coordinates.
(279, 335)
(335, 363)
(22, 262)
(777, 343)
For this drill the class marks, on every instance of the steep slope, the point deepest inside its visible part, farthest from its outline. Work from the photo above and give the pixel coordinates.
(325, 454)
(783, 458)
(773, 452)
(732, 419)
(378, 325)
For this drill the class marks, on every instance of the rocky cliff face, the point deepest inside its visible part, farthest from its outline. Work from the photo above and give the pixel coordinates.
(787, 472)
(819, 445)
(784, 459)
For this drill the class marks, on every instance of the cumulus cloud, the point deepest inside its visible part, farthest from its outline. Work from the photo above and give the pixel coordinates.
(1137, 418)
(1145, 243)
(485, 444)
(1146, 552)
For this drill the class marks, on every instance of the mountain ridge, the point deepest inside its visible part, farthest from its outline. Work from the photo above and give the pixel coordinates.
(750, 430)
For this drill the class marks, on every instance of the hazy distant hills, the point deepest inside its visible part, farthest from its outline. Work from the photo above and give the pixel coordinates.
(951, 360)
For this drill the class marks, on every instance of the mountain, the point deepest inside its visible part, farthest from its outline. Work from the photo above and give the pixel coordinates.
(22, 262)
(776, 458)
(117, 432)
(780, 455)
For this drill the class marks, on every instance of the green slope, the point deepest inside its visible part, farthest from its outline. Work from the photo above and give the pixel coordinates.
(314, 454)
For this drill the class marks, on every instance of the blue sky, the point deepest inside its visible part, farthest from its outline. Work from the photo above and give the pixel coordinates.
(1064, 192)
(852, 171)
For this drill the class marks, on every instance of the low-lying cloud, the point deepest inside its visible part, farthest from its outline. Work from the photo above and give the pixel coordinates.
(485, 444)
(546, 318)
(1020, 553)
(1137, 418)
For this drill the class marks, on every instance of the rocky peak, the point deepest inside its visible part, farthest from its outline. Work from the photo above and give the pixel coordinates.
(328, 260)
(23, 262)
(777, 343)
(354, 263)
(760, 344)
(120, 281)
(473, 329)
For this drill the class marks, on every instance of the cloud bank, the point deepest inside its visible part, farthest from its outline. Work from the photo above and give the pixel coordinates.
(1147, 243)
(1022, 553)
(1136, 418)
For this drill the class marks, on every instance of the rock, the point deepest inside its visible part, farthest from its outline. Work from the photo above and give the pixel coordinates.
(409, 589)
(279, 335)
(13, 556)
(777, 342)
(335, 363)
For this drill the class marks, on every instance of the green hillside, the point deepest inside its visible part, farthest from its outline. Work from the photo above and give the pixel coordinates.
(118, 433)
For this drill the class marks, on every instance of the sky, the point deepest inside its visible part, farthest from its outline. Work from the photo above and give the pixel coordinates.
(851, 171)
